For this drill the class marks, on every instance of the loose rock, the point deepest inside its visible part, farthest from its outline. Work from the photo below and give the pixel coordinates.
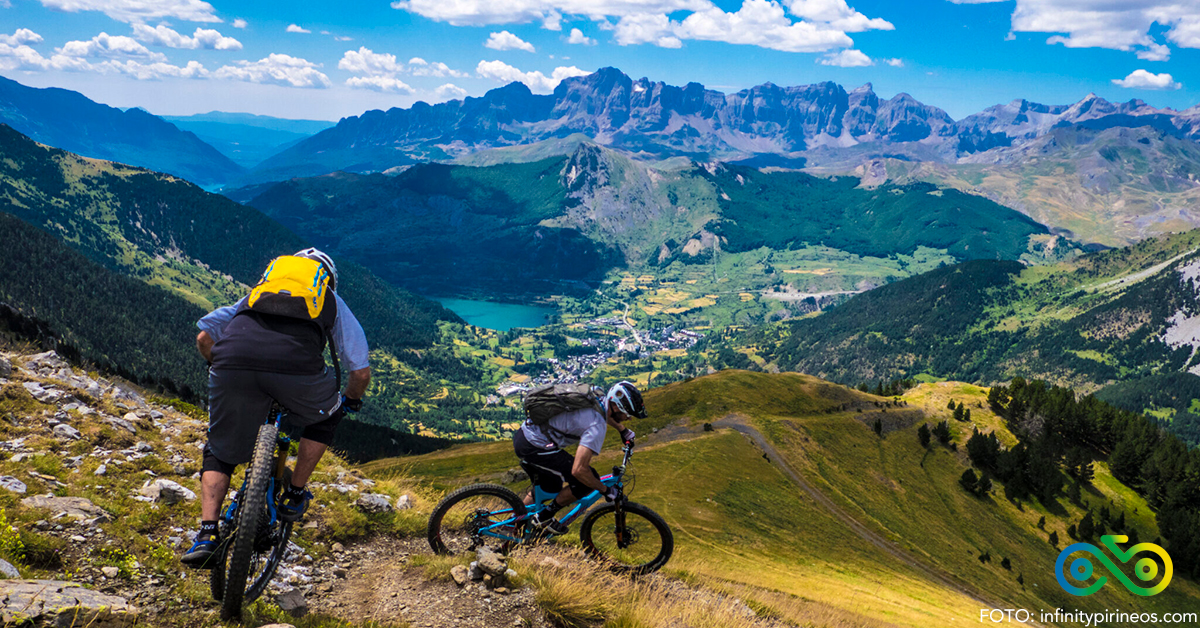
(54, 603)
(8, 571)
(110, 572)
(62, 430)
(12, 484)
(373, 503)
(166, 491)
(459, 574)
(293, 603)
(75, 507)
(404, 502)
(490, 562)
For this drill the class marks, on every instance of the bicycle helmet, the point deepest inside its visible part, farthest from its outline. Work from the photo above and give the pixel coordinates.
(627, 399)
(326, 261)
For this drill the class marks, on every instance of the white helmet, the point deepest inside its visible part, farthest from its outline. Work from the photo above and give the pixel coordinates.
(326, 261)
(627, 399)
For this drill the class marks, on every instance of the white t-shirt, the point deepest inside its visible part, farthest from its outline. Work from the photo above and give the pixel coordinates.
(586, 427)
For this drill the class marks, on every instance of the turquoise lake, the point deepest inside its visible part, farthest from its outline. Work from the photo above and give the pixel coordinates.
(498, 316)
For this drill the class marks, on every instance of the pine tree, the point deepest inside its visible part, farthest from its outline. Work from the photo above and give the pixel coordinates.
(1042, 523)
(1071, 532)
(923, 434)
(942, 432)
(1006, 563)
(1021, 580)
(951, 405)
(878, 427)
(958, 412)
(1119, 524)
(969, 481)
(967, 415)
(1087, 526)
(1053, 539)
(985, 485)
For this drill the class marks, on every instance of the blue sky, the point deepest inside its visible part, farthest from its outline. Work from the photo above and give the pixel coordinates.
(326, 60)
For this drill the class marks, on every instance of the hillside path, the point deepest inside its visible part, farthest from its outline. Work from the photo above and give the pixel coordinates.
(739, 423)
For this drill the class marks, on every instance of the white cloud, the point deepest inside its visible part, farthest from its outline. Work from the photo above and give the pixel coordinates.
(239, 23)
(140, 11)
(364, 61)
(822, 24)
(23, 57)
(847, 59)
(203, 38)
(577, 37)
(379, 84)
(895, 62)
(343, 38)
(155, 71)
(105, 45)
(21, 36)
(762, 23)
(505, 40)
(1155, 52)
(536, 81)
(449, 91)
(837, 14)
(295, 28)
(1141, 79)
(277, 69)
(1117, 25)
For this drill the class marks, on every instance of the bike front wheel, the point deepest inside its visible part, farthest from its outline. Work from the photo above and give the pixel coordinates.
(252, 522)
(474, 515)
(633, 539)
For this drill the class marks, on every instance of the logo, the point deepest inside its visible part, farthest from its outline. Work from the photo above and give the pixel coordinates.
(1146, 568)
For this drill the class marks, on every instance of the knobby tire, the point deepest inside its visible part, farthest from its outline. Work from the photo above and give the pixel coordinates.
(632, 511)
(435, 527)
(253, 506)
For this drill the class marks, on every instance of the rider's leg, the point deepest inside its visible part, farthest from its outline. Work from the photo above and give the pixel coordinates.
(213, 487)
(306, 460)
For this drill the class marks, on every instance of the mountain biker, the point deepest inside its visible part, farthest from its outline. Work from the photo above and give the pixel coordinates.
(255, 358)
(540, 450)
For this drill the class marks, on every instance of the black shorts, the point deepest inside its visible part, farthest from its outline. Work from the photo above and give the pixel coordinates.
(549, 470)
(239, 402)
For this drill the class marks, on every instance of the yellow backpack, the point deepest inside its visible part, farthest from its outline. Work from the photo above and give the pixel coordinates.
(295, 287)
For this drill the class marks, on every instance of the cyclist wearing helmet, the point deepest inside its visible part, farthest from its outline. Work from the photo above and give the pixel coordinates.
(541, 454)
(255, 358)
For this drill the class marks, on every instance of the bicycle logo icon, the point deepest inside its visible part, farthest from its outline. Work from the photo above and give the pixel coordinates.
(1145, 569)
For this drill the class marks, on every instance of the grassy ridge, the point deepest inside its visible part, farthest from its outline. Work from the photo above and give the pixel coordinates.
(738, 519)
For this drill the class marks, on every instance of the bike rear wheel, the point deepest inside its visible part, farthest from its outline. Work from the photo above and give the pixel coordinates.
(455, 524)
(632, 539)
(251, 517)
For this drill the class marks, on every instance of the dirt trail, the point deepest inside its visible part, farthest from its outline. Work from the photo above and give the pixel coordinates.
(739, 423)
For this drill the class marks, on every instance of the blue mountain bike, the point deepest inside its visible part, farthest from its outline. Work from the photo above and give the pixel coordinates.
(630, 537)
(254, 539)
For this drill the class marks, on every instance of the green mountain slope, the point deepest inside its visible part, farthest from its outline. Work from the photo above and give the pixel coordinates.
(793, 493)
(205, 250)
(1110, 186)
(570, 210)
(1119, 315)
(71, 121)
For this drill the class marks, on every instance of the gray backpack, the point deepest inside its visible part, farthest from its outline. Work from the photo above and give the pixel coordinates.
(546, 402)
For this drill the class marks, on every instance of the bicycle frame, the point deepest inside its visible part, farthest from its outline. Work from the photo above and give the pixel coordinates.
(540, 498)
(282, 442)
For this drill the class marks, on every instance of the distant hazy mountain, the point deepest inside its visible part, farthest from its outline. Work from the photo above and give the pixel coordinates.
(70, 121)
(246, 138)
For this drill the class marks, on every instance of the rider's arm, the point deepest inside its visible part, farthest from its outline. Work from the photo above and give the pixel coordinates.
(359, 380)
(204, 344)
(582, 469)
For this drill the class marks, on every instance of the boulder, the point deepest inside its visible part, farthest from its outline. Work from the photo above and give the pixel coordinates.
(166, 491)
(62, 430)
(8, 571)
(404, 502)
(50, 603)
(292, 602)
(512, 476)
(75, 507)
(44, 395)
(5, 367)
(47, 360)
(373, 503)
(12, 484)
(459, 574)
(121, 423)
(490, 562)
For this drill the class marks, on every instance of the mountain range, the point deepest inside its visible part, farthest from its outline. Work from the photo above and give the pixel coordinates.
(819, 124)
(70, 121)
